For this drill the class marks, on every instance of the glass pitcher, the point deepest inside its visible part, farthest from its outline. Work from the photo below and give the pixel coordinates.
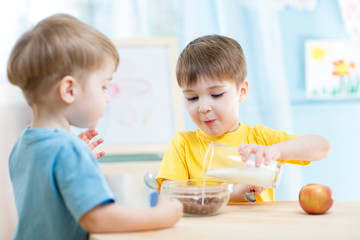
(225, 162)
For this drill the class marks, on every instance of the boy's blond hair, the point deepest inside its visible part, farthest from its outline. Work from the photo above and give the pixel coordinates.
(57, 46)
(211, 56)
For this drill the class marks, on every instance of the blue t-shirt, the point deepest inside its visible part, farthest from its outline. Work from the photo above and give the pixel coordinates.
(56, 180)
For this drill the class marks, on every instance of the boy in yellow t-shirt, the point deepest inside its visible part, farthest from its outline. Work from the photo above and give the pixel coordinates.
(211, 71)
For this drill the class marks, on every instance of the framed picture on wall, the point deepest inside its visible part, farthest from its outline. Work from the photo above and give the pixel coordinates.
(332, 69)
(145, 110)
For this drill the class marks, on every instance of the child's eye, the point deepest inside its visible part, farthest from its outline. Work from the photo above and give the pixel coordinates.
(191, 98)
(217, 95)
(105, 88)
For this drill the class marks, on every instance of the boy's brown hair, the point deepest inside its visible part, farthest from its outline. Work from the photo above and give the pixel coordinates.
(211, 56)
(57, 46)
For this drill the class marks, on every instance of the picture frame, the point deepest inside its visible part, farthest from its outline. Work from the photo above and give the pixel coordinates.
(332, 69)
(145, 110)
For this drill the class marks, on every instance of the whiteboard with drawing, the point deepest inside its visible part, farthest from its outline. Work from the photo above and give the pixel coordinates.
(145, 110)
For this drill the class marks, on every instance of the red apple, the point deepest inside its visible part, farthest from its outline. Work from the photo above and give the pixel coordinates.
(315, 198)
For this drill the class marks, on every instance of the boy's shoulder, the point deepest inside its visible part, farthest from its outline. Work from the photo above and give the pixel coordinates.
(48, 138)
(183, 138)
(47, 146)
(258, 128)
(186, 135)
(46, 134)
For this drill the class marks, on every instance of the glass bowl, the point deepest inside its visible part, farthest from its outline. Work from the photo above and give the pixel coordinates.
(199, 198)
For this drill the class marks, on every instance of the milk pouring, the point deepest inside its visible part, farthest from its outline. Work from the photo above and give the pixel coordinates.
(224, 162)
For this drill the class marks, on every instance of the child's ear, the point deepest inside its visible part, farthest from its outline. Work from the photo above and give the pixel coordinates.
(244, 91)
(67, 89)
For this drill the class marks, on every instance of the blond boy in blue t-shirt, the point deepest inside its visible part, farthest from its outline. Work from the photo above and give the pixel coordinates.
(63, 67)
(211, 71)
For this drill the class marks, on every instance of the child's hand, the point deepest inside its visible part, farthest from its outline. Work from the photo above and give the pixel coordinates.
(240, 189)
(87, 136)
(256, 189)
(261, 152)
(172, 208)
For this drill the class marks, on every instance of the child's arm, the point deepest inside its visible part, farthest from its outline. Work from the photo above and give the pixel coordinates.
(117, 218)
(305, 147)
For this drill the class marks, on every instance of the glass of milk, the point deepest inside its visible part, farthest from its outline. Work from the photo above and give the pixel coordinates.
(225, 162)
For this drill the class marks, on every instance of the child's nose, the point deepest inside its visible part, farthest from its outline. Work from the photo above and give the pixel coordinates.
(204, 106)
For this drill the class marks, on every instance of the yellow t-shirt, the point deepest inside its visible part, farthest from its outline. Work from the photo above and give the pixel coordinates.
(185, 155)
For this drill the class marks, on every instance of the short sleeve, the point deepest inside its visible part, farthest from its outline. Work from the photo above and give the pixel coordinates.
(80, 180)
(267, 136)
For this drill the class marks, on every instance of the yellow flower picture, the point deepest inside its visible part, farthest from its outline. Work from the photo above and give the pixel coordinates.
(332, 69)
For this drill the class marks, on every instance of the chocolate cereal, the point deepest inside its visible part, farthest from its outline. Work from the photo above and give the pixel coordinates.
(196, 206)
(199, 198)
